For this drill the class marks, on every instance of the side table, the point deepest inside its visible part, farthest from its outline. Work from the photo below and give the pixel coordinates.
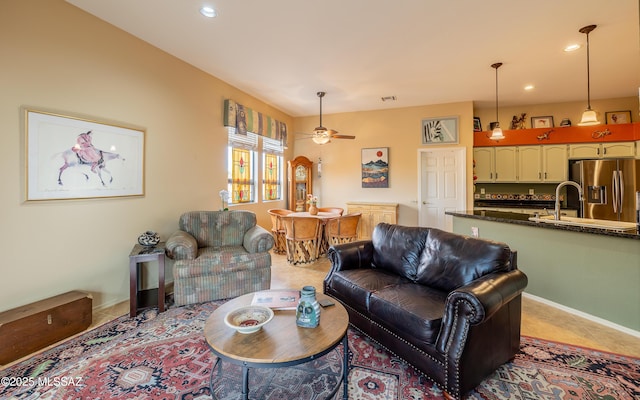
(139, 298)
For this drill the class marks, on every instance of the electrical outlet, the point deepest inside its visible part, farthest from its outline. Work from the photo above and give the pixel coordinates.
(475, 231)
(532, 191)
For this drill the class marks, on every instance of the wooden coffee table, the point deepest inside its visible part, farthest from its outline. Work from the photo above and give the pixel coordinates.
(280, 343)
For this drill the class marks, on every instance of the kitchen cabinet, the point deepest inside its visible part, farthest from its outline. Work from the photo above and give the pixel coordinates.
(544, 163)
(495, 164)
(530, 164)
(299, 174)
(602, 150)
(506, 164)
(372, 215)
(484, 164)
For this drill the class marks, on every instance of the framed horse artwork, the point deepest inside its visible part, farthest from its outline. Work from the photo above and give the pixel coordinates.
(71, 157)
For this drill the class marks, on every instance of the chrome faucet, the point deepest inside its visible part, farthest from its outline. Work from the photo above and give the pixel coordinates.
(556, 213)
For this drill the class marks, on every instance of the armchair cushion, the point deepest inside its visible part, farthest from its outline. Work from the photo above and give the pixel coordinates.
(217, 228)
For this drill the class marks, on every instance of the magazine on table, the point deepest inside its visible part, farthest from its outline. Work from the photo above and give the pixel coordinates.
(277, 299)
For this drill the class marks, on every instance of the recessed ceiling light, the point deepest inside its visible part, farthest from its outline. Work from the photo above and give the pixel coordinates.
(572, 47)
(208, 12)
(529, 87)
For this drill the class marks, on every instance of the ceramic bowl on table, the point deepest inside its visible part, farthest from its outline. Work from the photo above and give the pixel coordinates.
(248, 319)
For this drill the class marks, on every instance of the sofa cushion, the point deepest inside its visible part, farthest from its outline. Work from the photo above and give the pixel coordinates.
(354, 286)
(450, 261)
(414, 312)
(398, 248)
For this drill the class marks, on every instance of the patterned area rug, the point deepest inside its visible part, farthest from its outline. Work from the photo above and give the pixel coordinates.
(165, 357)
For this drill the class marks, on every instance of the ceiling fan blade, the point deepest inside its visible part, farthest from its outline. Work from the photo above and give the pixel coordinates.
(342, 137)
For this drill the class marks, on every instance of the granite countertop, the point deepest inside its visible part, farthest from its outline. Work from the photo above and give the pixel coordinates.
(523, 219)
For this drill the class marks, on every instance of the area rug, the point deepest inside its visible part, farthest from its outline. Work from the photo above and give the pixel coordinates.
(164, 356)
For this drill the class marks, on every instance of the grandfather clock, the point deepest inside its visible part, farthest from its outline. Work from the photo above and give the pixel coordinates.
(299, 183)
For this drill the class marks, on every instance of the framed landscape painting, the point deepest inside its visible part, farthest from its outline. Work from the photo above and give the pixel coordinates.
(442, 130)
(70, 157)
(375, 167)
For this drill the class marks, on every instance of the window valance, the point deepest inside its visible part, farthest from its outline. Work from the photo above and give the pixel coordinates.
(244, 120)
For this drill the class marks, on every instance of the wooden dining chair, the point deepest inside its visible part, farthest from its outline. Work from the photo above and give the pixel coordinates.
(303, 239)
(332, 210)
(277, 229)
(342, 229)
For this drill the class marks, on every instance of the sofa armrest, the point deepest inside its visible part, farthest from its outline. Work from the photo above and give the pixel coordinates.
(257, 240)
(181, 246)
(476, 302)
(345, 256)
(352, 255)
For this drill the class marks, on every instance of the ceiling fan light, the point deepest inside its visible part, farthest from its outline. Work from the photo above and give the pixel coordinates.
(589, 117)
(496, 134)
(321, 138)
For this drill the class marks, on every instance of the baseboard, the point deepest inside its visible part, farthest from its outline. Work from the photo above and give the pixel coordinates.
(584, 315)
(168, 289)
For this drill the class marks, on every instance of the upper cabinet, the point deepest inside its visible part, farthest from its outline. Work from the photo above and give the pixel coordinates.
(495, 164)
(508, 164)
(539, 164)
(541, 155)
(602, 150)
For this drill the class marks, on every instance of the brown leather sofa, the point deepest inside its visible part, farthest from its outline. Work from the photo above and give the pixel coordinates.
(448, 304)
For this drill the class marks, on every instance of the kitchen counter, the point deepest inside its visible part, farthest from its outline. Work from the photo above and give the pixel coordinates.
(592, 271)
(523, 219)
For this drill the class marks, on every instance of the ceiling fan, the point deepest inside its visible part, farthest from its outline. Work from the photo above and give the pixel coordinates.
(322, 135)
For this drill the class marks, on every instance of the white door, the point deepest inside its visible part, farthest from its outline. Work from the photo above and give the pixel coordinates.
(442, 183)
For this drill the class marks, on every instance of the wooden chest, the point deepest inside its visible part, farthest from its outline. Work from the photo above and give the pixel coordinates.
(34, 326)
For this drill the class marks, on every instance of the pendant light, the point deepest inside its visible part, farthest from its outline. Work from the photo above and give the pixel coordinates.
(588, 116)
(496, 134)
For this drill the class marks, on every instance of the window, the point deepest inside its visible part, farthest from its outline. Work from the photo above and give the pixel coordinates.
(272, 171)
(241, 167)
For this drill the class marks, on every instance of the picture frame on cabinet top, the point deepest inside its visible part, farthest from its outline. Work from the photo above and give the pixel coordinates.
(542, 122)
(477, 126)
(618, 117)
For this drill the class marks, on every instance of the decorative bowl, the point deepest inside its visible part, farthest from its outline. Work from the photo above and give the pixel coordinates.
(248, 319)
(149, 238)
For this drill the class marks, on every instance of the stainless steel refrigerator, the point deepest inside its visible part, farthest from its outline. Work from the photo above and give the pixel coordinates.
(609, 188)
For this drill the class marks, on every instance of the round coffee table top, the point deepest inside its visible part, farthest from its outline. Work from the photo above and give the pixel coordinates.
(279, 341)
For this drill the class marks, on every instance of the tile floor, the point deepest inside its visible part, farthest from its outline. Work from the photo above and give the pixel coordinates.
(538, 319)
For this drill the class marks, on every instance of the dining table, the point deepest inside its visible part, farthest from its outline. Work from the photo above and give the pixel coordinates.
(323, 216)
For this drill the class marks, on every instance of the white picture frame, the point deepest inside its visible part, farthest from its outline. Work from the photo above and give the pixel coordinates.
(440, 130)
(71, 157)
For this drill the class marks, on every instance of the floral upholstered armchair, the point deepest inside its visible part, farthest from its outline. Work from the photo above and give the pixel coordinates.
(219, 255)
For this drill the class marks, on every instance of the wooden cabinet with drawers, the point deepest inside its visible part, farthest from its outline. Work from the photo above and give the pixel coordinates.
(372, 215)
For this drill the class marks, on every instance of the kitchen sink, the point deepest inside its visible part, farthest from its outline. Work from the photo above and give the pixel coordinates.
(587, 223)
